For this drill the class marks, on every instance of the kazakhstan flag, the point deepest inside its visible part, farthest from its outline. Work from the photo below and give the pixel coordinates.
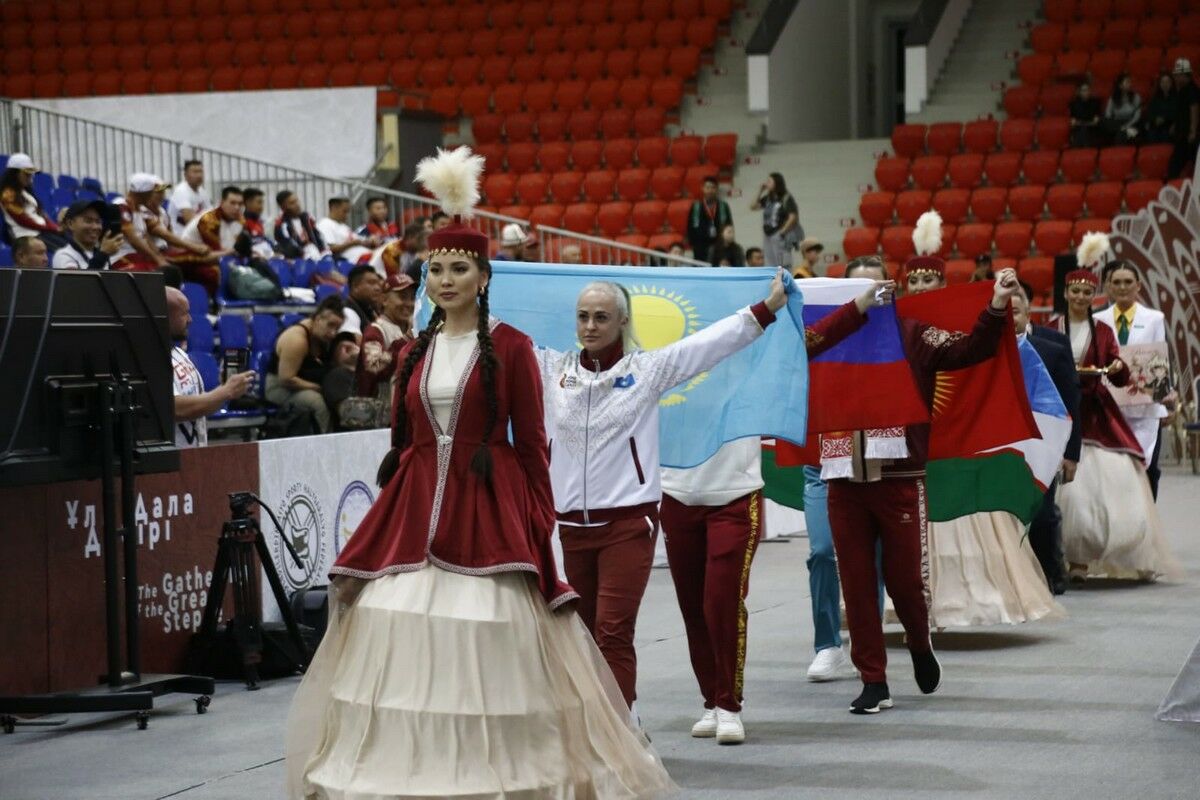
(761, 391)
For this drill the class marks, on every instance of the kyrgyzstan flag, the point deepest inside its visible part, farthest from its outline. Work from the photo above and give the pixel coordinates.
(981, 407)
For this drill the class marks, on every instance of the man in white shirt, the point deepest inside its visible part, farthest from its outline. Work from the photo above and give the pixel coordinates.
(340, 238)
(189, 197)
(218, 228)
(86, 248)
(192, 403)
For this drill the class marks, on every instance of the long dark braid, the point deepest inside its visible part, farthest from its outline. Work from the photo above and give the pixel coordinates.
(391, 461)
(481, 462)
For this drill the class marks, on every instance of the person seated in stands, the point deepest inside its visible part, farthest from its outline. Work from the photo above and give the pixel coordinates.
(726, 252)
(512, 243)
(440, 219)
(301, 359)
(218, 228)
(810, 256)
(570, 254)
(339, 381)
(678, 249)
(379, 227)
(755, 257)
(383, 338)
(253, 203)
(196, 261)
(365, 297)
(983, 268)
(1085, 117)
(296, 234)
(340, 238)
(1123, 112)
(531, 249)
(22, 211)
(189, 197)
(86, 247)
(406, 256)
(1158, 123)
(29, 252)
(143, 229)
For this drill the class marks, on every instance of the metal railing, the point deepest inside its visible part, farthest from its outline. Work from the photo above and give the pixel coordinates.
(61, 143)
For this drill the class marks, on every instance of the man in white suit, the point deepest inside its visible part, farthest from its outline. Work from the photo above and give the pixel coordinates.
(1134, 323)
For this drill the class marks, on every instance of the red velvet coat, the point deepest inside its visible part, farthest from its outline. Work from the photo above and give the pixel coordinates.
(1101, 419)
(437, 511)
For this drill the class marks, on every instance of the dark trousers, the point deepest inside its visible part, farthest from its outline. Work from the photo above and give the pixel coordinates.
(1045, 536)
(709, 550)
(1153, 473)
(1184, 152)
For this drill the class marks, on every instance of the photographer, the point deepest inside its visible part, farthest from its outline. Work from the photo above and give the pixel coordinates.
(89, 245)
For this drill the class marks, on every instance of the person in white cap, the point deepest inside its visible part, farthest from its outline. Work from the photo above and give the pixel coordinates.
(23, 213)
(512, 243)
(1187, 118)
(143, 227)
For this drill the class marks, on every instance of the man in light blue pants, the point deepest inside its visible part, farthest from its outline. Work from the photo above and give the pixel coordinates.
(831, 662)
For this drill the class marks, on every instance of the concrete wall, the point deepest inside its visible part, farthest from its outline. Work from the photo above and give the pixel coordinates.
(923, 63)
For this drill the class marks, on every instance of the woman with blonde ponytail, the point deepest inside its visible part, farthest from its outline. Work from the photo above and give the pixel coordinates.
(454, 664)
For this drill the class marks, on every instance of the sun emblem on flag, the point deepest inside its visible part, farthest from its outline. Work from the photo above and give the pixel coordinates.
(943, 392)
(660, 317)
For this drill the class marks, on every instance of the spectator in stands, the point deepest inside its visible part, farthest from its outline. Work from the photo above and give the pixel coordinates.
(1085, 117)
(425, 222)
(983, 268)
(755, 258)
(1123, 112)
(379, 226)
(340, 238)
(29, 252)
(189, 197)
(781, 221)
(531, 249)
(810, 256)
(403, 257)
(218, 228)
(570, 254)
(384, 337)
(142, 228)
(301, 359)
(440, 219)
(726, 252)
(706, 220)
(365, 298)
(86, 247)
(1159, 121)
(512, 243)
(678, 249)
(339, 382)
(192, 403)
(296, 234)
(252, 223)
(1187, 118)
(195, 261)
(22, 211)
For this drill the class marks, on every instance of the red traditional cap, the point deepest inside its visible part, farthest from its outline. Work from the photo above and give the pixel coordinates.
(1082, 276)
(458, 239)
(925, 264)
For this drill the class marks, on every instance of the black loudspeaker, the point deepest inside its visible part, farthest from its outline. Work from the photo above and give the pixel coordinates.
(1063, 264)
(311, 608)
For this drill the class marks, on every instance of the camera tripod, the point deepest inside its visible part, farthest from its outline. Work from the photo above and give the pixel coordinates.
(241, 538)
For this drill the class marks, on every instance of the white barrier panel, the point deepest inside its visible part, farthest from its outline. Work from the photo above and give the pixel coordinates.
(320, 488)
(325, 131)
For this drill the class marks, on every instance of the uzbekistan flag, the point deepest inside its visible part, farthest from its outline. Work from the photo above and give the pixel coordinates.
(1012, 478)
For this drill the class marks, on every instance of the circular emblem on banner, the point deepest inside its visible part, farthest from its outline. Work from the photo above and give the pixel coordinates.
(660, 317)
(304, 526)
(354, 504)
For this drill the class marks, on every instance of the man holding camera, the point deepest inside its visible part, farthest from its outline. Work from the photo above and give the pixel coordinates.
(89, 245)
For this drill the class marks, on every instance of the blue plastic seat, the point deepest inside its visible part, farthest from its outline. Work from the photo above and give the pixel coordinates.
(197, 297)
(264, 330)
(325, 290)
(68, 182)
(6, 259)
(232, 330)
(200, 336)
(92, 185)
(210, 372)
(289, 320)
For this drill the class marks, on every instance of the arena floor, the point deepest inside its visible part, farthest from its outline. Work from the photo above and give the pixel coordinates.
(1049, 710)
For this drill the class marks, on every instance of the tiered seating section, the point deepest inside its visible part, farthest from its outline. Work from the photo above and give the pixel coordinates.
(1016, 189)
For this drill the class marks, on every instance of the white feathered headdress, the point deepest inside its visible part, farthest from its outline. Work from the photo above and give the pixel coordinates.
(452, 176)
(927, 240)
(1092, 250)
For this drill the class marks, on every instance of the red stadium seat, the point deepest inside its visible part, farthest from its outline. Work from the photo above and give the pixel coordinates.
(929, 172)
(876, 208)
(1156, 32)
(891, 174)
(580, 217)
(508, 98)
(684, 62)
(164, 81)
(1116, 163)
(1168, 8)
(1106, 65)
(694, 178)
(583, 124)
(599, 185)
(619, 154)
(649, 215)
(546, 40)
(1072, 64)
(1120, 34)
(1021, 102)
(1095, 9)
(1053, 133)
(532, 186)
(836, 270)
(495, 69)
(1035, 69)
(989, 203)
(540, 96)
(980, 136)
(555, 157)
(500, 189)
(1052, 236)
(1090, 225)
(1055, 99)
(959, 271)
(671, 33)
(284, 76)
(1065, 200)
(570, 95)
(1138, 194)
(702, 32)
(226, 79)
(1002, 169)
(486, 128)
(1038, 272)
(666, 93)
(652, 61)
(614, 217)
(197, 78)
(945, 138)
(1189, 29)
(667, 182)
(522, 157)
(621, 64)
(1144, 63)
(908, 140)
(586, 154)
(912, 204)
(602, 94)
(255, 78)
(589, 65)
(1040, 166)
(219, 54)
(649, 121)
(1129, 9)
(519, 127)
(973, 239)
(442, 100)
(616, 123)
(1083, 36)
(78, 84)
(1103, 198)
(952, 204)
(1049, 37)
(652, 152)
(686, 150)
(857, 242)
(1016, 135)
(1078, 165)
(549, 215)
(639, 35)
(633, 184)
(607, 36)
(556, 64)
(564, 13)
(1013, 239)
(634, 92)
(1027, 202)
(1060, 10)
(966, 170)
(897, 242)
(527, 68)
(552, 126)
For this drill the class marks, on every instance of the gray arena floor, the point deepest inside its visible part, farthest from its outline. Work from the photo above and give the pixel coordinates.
(1054, 710)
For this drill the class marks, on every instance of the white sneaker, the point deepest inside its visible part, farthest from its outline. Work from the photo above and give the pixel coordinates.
(706, 728)
(729, 727)
(831, 664)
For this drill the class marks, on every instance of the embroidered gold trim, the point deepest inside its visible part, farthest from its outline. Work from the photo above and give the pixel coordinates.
(812, 338)
(453, 251)
(936, 337)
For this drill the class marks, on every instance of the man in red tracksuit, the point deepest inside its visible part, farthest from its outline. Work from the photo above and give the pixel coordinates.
(884, 501)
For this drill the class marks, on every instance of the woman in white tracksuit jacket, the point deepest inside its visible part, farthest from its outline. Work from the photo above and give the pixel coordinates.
(602, 421)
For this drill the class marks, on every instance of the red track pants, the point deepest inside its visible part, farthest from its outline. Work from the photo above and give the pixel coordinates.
(709, 550)
(609, 566)
(891, 511)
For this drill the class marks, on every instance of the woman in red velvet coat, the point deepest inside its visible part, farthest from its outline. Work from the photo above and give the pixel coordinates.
(1110, 523)
(454, 664)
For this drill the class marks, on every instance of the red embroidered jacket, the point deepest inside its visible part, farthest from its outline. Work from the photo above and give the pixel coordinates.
(1101, 419)
(437, 511)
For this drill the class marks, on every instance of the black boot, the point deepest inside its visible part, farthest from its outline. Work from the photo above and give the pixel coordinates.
(927, 671)
(874, 698)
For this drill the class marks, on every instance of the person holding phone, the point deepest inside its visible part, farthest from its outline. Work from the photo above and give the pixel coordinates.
(89, 245)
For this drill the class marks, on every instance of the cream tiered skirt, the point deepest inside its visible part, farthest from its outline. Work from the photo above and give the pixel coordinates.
(984, 572)
(436, 684)
(1110, 521)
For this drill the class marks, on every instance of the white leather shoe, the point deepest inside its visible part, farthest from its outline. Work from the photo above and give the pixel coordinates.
(729, 727)
(706, 727)
(831, 664)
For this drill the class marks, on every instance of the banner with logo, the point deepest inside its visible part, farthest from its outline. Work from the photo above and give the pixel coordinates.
(320, 489)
